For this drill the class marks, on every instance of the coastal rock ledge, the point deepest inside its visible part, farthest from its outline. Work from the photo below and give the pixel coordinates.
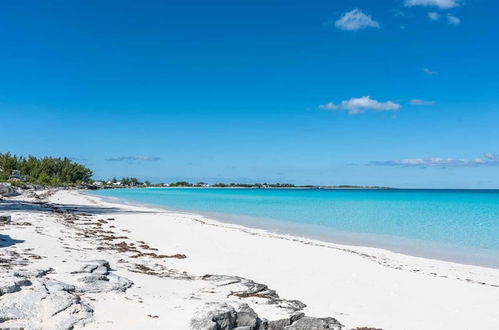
(226, 317)
(30, 299)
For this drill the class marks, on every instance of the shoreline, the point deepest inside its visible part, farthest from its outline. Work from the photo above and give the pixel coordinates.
(365, 251)
(410, 247)
(358, 286)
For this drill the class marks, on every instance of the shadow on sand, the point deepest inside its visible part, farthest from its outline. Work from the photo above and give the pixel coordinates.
(15, 205)
(6, 240)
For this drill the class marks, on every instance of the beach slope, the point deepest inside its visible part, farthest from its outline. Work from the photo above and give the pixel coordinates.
(75, 260)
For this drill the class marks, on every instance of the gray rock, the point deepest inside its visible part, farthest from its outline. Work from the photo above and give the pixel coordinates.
(8, 191)
(47, 304)
(247, 317)
(264, 325)
(100, 278)
(5, 219)
(10, 284)
(278, 324)
(34, 273)
(241, 287)
(215, 317)
(226, 320)
(312, 323)
(53, 286)
(100, 267)
(104, 283)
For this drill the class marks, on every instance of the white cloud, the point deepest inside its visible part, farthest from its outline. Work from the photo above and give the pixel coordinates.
(434, 16)
(442, 4)
(429, 72)
(451, 19)
(361, 104)
(355, 20)
(421, 102)
(492, 156)
(490, 160)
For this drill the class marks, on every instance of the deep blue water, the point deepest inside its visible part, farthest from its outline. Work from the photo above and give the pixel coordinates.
(458, 225)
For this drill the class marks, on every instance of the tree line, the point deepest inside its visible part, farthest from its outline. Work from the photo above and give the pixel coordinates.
(44, 171)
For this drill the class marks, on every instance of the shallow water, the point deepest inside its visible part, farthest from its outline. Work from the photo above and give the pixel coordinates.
(456, 225)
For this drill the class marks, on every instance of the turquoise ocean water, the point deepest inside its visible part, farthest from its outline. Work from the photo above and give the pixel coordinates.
(454, 225)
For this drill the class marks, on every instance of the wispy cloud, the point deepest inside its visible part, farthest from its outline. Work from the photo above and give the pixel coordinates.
(442, 4)
(429, 72)
(489, 159)
(361, 104)
(133, 158)
(453, 20)
(434, 16)
(492, 156)
(355, 20)
(421, 102)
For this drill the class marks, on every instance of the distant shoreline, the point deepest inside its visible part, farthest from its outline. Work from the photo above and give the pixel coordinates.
(263, 188)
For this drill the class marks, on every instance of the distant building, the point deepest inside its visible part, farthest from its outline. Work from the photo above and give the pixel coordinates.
(16, 176)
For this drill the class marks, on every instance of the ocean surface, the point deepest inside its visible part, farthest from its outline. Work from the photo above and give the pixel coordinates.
(454, 225)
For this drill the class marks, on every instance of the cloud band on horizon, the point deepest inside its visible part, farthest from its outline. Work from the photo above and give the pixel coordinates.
(489, 159)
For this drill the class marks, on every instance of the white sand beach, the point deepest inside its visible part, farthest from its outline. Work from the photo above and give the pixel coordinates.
(158, 261)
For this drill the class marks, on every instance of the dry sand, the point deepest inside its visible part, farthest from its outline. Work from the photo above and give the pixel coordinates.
(165, 254)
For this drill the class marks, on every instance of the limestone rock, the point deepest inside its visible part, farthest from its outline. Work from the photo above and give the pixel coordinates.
(104, 283)
(215, 317)
(246, 317)
(100, 278)
(312, 323)
(44, 304)
(10, 284)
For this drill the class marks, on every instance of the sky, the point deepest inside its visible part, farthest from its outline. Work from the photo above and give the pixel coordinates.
(401, 93)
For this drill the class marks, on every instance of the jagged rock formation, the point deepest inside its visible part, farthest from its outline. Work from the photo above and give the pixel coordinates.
(31, 300)
(100, 278)
(241, 287)
(225, 317)
(36, 302)
(7, 191)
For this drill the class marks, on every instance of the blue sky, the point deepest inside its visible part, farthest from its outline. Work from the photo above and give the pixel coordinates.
(398, 93)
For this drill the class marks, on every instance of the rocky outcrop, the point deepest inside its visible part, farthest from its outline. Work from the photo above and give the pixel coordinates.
(225, 317)
(241, 287)
(36, 302)
(312, 323)
(98, 278)
(8, 191)
(31, 300)
(11, 284)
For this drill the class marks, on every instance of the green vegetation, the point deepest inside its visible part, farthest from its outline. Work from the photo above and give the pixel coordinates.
(45, 171)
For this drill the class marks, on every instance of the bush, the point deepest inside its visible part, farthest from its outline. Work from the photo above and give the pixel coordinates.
(45, 171)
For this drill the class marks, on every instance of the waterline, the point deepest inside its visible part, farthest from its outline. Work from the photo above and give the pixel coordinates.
(454, 225)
